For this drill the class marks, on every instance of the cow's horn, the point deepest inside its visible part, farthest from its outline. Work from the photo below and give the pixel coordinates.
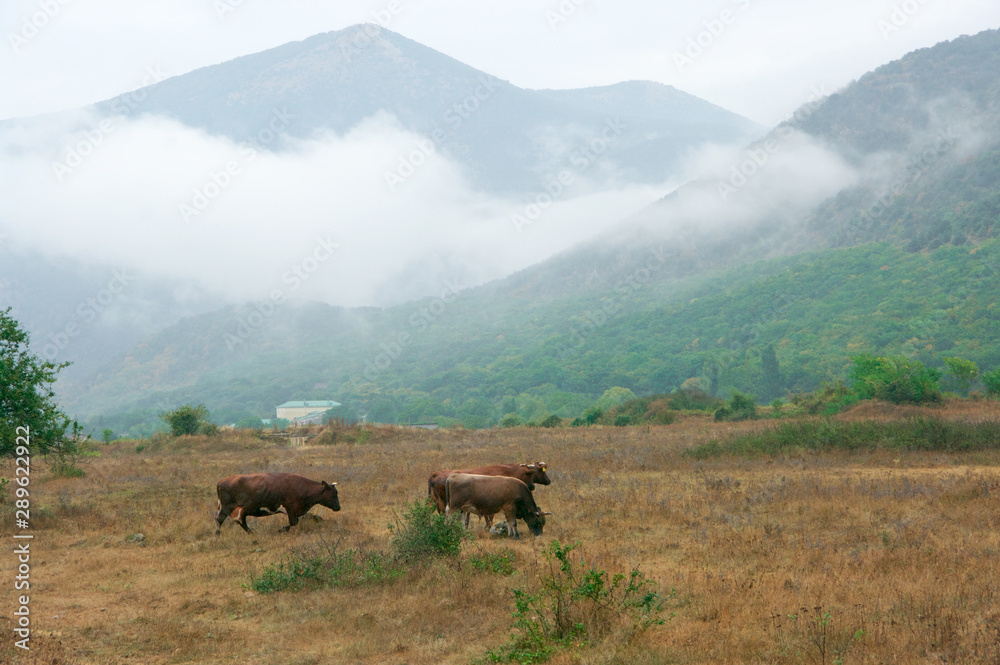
(542, 512)
(333, 483)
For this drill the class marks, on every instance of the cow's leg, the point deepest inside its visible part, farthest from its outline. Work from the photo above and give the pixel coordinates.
(511, 516)
(220, 517)
(293, 519)
(239, 515)
(468, 514)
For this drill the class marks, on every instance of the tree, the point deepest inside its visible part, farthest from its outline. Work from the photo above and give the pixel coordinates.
(771, 371)
(27, 399)
(895, 379)
(963, 373)
(992, 381)
(188, 419)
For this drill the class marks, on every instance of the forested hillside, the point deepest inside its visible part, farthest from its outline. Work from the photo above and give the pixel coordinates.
(760, 291)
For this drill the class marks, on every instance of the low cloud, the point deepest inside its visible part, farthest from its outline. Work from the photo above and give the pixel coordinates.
(317, 219)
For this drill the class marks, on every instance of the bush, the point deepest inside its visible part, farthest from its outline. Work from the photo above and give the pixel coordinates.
(511, 420)
(423, 533)
(187, 419)
(739, 407)
(551, 421)
(577, 604)
(501, 563)
(895, 379)
(992, 382)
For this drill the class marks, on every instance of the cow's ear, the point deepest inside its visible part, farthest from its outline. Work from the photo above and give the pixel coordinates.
(541, 465)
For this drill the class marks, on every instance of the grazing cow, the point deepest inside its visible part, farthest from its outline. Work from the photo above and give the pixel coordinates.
(488, 495)
(262, 494)
(529, 474)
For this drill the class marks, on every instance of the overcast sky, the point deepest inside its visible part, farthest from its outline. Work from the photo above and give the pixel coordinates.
(759, 58)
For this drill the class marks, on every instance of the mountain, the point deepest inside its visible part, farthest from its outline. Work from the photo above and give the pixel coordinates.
(509, 139)
(866, 223)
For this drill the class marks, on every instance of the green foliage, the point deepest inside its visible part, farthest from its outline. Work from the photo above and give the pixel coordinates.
(992, 382)
(188, 419)
(327, 567)
(577, 605)
(962, 373)
(500, 563)
(551, 421)
(27, 399)
(108, 435)
(924, 434)
(511, 420)
(895, 379)
(614, 396)
(739, 407)
(423, 533)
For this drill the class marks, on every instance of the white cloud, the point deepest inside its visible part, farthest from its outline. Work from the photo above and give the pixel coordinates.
(172, 201)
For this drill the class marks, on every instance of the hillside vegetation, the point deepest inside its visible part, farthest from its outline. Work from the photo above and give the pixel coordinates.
(903, 262)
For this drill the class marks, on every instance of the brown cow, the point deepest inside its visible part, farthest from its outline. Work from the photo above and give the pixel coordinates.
(529, 474)
(262, 494)
(488, 495)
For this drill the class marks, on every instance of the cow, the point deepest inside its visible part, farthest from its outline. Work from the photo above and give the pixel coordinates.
(488, 495)
(529, 474)
(262, 494)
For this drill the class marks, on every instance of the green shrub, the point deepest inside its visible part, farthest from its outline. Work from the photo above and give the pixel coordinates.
(579, 605)
(895, 379)
(501, 563)
(551, 421)
(739, 407)
(992, 382)
(423, 533)
(511, 420)
(187, 419)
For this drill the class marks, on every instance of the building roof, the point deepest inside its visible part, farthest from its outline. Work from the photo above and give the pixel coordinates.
(318, 404)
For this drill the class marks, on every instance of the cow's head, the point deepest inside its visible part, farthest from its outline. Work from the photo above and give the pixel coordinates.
(329, 497)
(535, 519)
(538, 475)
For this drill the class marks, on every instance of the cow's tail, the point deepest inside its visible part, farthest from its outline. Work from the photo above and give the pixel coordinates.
(430, 487)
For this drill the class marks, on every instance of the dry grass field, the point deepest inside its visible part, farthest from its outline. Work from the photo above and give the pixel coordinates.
(836, 557)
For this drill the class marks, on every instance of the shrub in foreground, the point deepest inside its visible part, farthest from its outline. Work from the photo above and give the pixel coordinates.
(423, 533)
(577, 604)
